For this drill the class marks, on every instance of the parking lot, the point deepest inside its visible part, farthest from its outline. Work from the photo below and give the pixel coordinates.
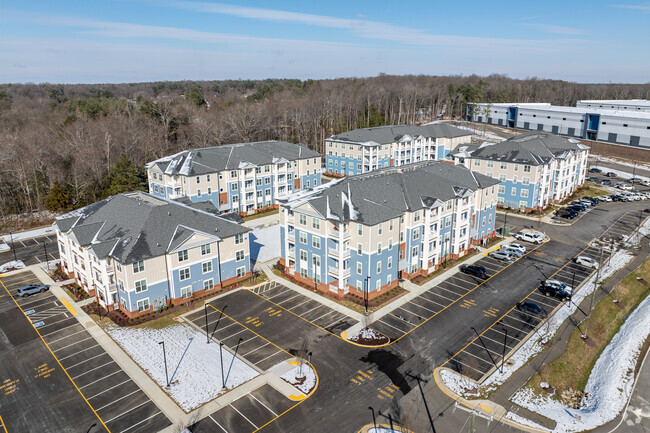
(306, 308)
(31, 251)
(246, 414)
(422, 308)
(116, 399)
(487, 351)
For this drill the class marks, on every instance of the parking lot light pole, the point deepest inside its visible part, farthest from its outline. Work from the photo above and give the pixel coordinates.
(218, 320)
(47, 261)
(13, 245)
(207, 336)
(223, 378)
(165, 359)
(374, 420)
(91, 427)
(484, 347)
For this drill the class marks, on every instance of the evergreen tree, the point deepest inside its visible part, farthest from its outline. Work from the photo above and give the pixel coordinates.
(125, 176)
(58, 199)
(195, 96)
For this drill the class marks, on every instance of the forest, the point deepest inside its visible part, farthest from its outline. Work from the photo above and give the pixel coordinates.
(65, 146)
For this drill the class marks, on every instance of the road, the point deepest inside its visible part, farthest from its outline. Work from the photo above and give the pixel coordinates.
(32, 251)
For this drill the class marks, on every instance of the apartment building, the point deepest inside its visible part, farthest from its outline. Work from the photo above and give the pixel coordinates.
(363, 150)
(244, 177)
(137, 253)
(533, 169)
(364, 232)
(612, 121)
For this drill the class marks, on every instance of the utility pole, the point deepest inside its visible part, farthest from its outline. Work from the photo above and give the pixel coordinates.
(591, 303)
(13, 245)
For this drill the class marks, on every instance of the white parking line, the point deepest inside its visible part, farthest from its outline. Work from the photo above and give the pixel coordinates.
(124, 413)
(77, 353)
(115, 401)
(264, 359)
(408, 311)
(288, 299)
(424, 308)
(213, 420)
(335, 322)
(108, 389)
(424, 298)
(256, 427)
(442, 296)
(72, 344)
(394, 327)
(92, 369)
(232, 335)
(54, 323)
(140, 422)
(63, 338)
(257, 348)
(296, 306)
(309, 311)
(86, 360)
(267, 408)
(62, 329)
(329, 311)
(101, 378)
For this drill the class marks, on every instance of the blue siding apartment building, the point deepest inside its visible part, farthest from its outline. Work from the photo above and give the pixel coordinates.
(364, 232)
(245, 177)
(534, 169)
(363, 150)
(137, 253)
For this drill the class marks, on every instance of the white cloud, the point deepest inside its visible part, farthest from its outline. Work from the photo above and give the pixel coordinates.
(552, 28)
(640, 7)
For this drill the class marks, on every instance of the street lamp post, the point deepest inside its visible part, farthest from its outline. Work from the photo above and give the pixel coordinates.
(366, 293)
(374, 420)
(47, 261)
(223, 378)
(503, 356)
(13, 245)
(207, 336)
(91, 427)
(165, 360)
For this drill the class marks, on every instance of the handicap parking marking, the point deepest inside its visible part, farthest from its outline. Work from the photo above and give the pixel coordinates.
(28, 312)
(38, 324)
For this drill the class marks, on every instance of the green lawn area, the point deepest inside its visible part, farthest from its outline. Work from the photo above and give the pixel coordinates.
(593, 190)
(573, 367)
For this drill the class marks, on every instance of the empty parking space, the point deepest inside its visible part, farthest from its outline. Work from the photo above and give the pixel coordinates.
(305, 307)
(246, 414)
(116, 399)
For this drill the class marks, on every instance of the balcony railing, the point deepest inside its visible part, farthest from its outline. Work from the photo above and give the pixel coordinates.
(110, 269)
(292, 235)
(333, 270)
(336, 233)
(337, 253)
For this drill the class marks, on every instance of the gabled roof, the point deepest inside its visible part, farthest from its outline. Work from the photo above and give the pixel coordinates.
(136, 226)
(394, 133)
(530, 148)
(385, 194)
(231, 157)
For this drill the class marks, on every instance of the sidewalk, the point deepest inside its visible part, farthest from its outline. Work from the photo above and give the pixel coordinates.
(561, 339)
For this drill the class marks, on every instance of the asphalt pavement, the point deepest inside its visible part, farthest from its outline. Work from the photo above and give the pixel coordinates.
(31, 251)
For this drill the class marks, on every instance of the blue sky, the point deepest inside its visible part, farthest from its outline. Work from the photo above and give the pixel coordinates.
(146, 40)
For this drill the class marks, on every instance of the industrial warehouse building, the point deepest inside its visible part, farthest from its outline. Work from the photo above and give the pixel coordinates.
(612, 121)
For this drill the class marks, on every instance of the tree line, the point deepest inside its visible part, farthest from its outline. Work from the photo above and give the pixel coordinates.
(65, 146)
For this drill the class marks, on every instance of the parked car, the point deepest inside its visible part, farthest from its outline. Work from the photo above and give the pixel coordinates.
(518, 247)
(586, 261)
(604, 198)
(475, 270)
(566, 213)
(619, 197)
(645, 182)
(556, 289)
(626, 187)
(32, 289)
(502, 255)
(579, 206)
(532, 237)
(595, 170)
(514, 251)
(592, 179)
(606, 182)
(532, 309)
(594, 200)
(610, 174)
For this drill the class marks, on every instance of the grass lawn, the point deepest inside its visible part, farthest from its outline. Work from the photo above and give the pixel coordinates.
(593, 190)
(573, 367)
(261, 214)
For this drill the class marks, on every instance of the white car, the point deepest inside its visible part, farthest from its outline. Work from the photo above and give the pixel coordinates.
(534, 238)
(604, 198)
(518, 247)
(586, 262)
(645, 182)
(626, 187)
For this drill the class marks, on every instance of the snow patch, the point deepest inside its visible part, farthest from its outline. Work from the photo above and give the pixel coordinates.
(4, 247)
(14, 265)
(524, 421)
(623, 175)
(302, 377)
(193, 365)
(185, 169)
(49, 230)
(265, 244)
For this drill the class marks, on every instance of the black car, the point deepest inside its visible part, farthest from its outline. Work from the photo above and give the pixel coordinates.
(606, 182)
(32, 289)
(616, 197)
(610, 174)
(577, 207)
(593, 200)
(475, 270)
(556, 289)
(532, 309)
(592, 179)
(595, 170)
(567, 213)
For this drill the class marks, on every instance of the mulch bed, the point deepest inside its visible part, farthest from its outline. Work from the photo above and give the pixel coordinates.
(371, 337)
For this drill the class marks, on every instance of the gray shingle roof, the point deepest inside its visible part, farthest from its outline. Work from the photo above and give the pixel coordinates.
(229, 157)
(393, 133)
(531, 148)
(388, 193)
(137, 226)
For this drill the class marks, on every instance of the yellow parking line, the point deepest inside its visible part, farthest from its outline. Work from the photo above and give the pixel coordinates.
(3, 424)
(296, 397)
(69, 307)
(493, 249)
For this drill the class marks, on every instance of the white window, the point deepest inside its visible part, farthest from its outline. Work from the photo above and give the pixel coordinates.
(302, 219)
(359, 268)
(182, 256)
(524, 193)
(140, 286)
(239, 238)
(389, 265)
(502, 178)
(378, 267)
(208, 284)
(233, 174)
(378, 285)
(198, 193)
(315, 223)
(359, 229)
(390, 243)
(241, 272)
(138, 266)
(502, 189)
(448, 221)
(490, 164)
(205, 249)
(207, 267)
(234, 186)
(525, 180)
(516, 167)
(390, 225)
(302, 238)
(513, 191)
(359, 285)
(207, 178)
(315, 242)
(477, 162)
(381, 228)
(416, 216)
(379, 248)
(303, 255)
(186, 292)
(239, 255)
(184, 274)
(359, 249)
(526, 168)
(198, 179)
(415, 251)
(143, 304)
(416, 234)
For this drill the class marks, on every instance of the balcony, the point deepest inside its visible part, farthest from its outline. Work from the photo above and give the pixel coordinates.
(110, 269)
(292, 253)
(334, 271)
(337, 233)
(291, 235)
(335, 252)
(112, 288)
